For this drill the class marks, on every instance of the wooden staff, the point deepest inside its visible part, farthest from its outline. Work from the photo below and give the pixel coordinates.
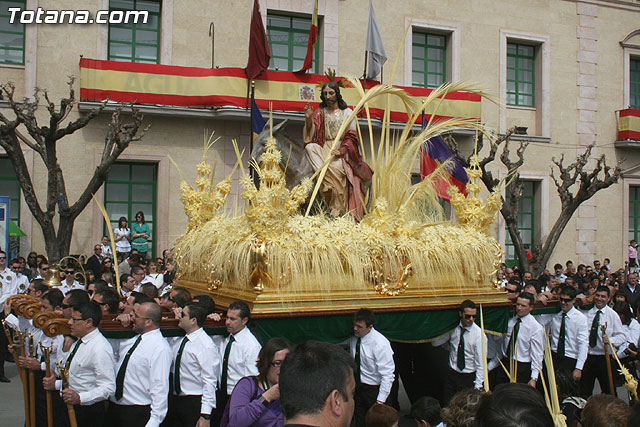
(21, 372)
(25, 383)
(32, 382)
(65, 384)
(607, 358)
(47, 359)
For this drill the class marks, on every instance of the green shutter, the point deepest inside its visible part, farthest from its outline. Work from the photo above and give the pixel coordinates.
(11, 35)
(129, 188)
(288, 38)
(429, 60)
(135, 42)
(521, 72)
(526, 222)
(634, 82)
(634, 213)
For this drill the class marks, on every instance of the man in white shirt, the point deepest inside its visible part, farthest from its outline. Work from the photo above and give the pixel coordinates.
(374, 364)
(69, 283)
(599, 316)
(138, 274)
(558, 273)
(91, 367)
(142, 373)
(195, 369)
(14, 282)
(238, 354)
(465, 353)
(527, 347)
(569, 335)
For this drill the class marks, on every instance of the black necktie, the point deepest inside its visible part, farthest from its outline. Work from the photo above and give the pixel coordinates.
(176, 374)
(225, 365)
(123, 368)
(593, 336)
(461, 363)
(514, 337)
(357, 360)
(73, 353)
(561, 337)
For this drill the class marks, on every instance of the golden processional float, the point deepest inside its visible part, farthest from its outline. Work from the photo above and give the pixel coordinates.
(403, 257)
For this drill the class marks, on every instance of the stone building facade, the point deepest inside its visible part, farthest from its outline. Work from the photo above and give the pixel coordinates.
(560, 68)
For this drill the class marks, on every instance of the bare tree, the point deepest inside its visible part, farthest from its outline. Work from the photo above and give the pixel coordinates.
(43, 139)
(586, 182)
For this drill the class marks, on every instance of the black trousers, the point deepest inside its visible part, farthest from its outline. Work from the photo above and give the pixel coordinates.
(184, 411)
(595, 368)
(567, 364)
(221, 402)
(365, 397)
(91, 415)
(128, 415)
(523, 374)
(456, 381)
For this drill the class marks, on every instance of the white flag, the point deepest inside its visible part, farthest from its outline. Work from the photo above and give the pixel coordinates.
(377, 56)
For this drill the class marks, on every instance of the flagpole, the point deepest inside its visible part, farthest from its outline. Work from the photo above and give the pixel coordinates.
(364, 75)
(253, 91)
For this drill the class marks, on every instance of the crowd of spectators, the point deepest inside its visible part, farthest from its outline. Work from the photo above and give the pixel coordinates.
(242, 383)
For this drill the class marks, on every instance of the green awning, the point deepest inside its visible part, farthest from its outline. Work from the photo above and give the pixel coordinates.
(14, 230)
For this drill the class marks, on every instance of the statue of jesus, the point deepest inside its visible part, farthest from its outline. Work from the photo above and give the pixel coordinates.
(343, 186)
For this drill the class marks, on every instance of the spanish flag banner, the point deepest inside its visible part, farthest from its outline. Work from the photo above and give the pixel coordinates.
(313, 36)
(227, 87)
(629, 124)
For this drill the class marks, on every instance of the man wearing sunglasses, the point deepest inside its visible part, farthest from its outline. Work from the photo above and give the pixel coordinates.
(465, 353)
(69, 283)
(569, 335)
(94, 262)
(513, 290)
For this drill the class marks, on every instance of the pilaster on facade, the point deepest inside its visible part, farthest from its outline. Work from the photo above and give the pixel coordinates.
(586, 126)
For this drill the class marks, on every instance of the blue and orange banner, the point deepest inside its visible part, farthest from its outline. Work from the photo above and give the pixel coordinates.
(227, 87)
(629, 124)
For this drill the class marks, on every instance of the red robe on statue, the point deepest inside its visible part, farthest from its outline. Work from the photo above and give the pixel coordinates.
(356, 169)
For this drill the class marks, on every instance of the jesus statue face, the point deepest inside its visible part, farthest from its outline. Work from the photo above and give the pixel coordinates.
(330, 96)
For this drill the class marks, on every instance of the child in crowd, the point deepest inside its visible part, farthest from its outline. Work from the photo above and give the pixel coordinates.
(633, 253)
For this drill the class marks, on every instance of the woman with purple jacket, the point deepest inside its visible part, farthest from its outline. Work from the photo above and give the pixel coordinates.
(255, 401)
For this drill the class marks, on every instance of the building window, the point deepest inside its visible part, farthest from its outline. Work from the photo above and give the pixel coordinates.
(129, 188)
(11, 35)
(429, 59)
(521, 75)
(634, 213)
(135, 42)
(288, 39)
(9, 186)
(526, 222)
(634, 80)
